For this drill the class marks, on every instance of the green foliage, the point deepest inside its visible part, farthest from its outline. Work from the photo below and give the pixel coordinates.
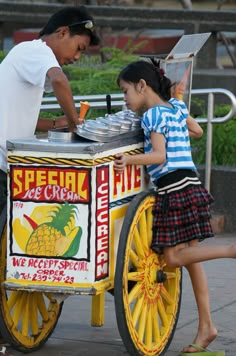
(2, 55)
(50, 115)
(117, 58)
(93, 76)
(223, 142)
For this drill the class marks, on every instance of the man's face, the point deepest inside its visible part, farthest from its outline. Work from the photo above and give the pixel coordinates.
(67, 48)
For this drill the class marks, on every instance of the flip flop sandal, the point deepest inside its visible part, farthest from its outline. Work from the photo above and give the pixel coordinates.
(202, 352)
(3, 351)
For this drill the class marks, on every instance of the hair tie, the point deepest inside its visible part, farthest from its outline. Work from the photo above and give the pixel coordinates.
(162, 72)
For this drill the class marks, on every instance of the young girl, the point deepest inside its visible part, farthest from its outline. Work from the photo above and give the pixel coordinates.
(181, 212)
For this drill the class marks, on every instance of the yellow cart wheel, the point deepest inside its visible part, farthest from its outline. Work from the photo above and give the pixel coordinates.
(27, 319)
(147, 292)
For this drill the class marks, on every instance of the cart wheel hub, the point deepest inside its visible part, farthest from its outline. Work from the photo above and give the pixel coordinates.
(152, 267)
(161, 276)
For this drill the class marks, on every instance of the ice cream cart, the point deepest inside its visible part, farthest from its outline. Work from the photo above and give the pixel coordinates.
(74, 226)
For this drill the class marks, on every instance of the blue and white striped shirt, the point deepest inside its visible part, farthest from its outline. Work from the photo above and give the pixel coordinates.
(171, 122)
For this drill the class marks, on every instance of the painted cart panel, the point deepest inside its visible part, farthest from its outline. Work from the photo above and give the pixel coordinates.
(65, 215)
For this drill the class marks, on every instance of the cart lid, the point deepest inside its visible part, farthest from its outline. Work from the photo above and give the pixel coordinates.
(81, 145)
(188, 46)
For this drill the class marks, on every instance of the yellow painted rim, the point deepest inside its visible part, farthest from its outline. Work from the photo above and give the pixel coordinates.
(151, 308)
(29, 317)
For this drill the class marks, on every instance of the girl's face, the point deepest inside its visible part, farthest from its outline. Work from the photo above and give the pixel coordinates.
(133, 95)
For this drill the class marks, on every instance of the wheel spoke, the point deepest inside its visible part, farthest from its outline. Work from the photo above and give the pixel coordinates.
(137, 309)
(19, 306)
(50, 297)
(155, 322)
(42, 307)
(148, 331)
(170, 275)
(138, 243)
(135, 276)
(134, 258)
(166, 296)
(13, 298)
(25, 316)
(34, 315)
(143, 232)
(162, 312)
(149, 226)
(142, 321)
(135, 292)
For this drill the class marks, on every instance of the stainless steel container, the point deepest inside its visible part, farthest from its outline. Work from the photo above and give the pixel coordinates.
(102, 129)
(112, 125)
(61, 135)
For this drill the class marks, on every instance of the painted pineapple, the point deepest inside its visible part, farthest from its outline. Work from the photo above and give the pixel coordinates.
(51, 238)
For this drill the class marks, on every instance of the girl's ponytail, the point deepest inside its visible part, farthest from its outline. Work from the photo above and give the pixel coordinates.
(165, 85)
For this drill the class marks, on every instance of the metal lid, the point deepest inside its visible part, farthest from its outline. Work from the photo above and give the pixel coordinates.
(102, 129)
(125, 124)
(131, 116)
(112, 125)
(136, 122)
(61, 135)
(112, 136)
(96, 127)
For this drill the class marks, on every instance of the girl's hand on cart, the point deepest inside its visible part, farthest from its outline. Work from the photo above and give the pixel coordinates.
(120, 162)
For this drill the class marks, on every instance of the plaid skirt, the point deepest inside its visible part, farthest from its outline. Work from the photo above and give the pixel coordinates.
(181, 211)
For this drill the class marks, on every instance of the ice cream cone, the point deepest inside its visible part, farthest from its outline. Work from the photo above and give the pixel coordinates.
(84, 106)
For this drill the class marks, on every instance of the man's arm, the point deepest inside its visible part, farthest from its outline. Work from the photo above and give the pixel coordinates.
(49, 124)
(62, 91)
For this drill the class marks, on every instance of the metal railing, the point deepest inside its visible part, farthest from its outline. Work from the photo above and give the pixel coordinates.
(210, 120)
(96, 101)
(117, 101)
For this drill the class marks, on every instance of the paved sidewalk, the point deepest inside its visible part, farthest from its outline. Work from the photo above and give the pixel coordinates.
(75, 337)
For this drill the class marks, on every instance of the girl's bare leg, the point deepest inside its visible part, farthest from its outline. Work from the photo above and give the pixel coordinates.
(206, 330)
(189, 255)
(186, 254)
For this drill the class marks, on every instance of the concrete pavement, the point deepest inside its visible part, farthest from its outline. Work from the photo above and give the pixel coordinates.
(74, 336)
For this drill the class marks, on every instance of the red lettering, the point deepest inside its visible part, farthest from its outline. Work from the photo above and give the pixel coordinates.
(127, 182)
(102, 228)
(18, 262)
(129, 177)
(118, 181)
(137, 177)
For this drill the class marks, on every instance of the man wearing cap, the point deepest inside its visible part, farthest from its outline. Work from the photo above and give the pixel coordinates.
(34, 67)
